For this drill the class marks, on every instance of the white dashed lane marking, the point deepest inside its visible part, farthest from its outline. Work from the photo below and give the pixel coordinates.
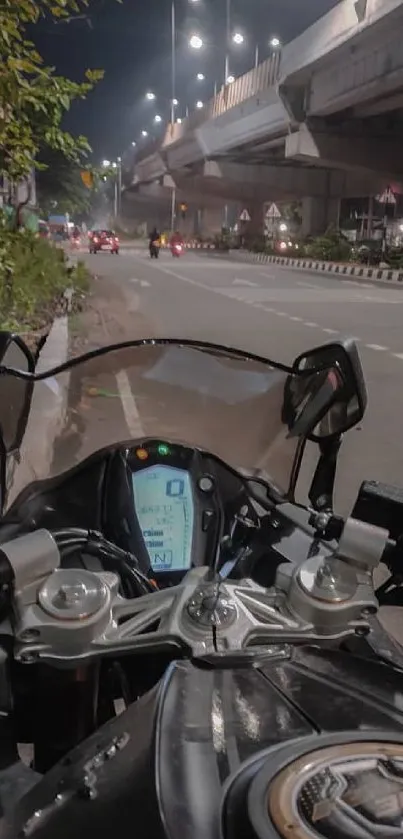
(295, 318)
(377, 347)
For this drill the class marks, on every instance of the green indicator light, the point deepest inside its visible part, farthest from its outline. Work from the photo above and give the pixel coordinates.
(163, 450)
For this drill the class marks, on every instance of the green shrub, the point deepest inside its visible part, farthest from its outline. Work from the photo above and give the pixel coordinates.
(258, 244)
(331, 247)
(222, 242)
(33, 277)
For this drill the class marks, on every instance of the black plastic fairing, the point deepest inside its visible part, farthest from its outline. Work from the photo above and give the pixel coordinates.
(163, 768)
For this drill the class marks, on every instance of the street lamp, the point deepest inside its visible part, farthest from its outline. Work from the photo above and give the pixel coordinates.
(274, 43)
(283, 227)
(157, 118)
(238, 38)
(200, 77)
(144, 133)
(175, 103)
(150, 96)
(196, 42)
(230, 79)
(106, 164)
(199, 104)
(179, 121)
(134, 144)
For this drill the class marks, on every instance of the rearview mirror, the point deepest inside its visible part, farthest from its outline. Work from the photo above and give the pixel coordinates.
(15, 394)
(326, 395)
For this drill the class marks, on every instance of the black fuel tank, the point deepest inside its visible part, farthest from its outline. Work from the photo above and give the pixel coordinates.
(198, 756)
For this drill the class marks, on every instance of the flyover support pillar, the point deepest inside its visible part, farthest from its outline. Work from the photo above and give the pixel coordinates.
(210, 221)
(318, 214)
(254, 227)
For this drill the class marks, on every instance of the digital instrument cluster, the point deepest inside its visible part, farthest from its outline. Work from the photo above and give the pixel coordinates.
(165, 510)
(175, 505)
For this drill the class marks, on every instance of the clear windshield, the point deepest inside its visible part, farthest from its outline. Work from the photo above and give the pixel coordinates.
(227, 405)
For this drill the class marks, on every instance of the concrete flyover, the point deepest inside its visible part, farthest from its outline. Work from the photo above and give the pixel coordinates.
(322, 121)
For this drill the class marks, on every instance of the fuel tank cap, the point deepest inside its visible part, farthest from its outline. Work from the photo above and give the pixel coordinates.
(72, 594)
(344, 791)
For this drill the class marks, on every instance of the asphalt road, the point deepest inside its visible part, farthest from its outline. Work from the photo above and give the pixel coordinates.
(279, 313)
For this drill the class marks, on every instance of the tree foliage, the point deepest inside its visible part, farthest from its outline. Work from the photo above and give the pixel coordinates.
(59, 185)
(33, 98)
(61, 188)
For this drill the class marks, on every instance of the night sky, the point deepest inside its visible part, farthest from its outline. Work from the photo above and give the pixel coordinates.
(131, 42)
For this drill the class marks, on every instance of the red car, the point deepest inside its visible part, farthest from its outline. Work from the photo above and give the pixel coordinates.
(103, 240)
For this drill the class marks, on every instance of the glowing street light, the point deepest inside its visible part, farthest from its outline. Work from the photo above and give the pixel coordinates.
(144, 133)
(175, 103)
(179, 121)
(134, 144)
(275, 43)
(200, 77)
(230, 79)
(150, 96)
(199, 104)
(106, 164)
(114, 165)
(196, 42)
(283, 227)
(238, 38)
(157, 118)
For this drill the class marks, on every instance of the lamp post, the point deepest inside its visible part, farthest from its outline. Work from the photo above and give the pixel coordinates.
(227, 39)
(274, 43)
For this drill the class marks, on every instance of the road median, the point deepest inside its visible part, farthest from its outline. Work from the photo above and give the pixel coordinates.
(338, 269)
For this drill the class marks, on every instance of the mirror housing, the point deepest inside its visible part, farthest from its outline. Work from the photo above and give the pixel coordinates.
(15, 394)
(326, 395)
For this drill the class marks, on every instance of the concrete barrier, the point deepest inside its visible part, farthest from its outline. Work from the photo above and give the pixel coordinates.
(339, 269)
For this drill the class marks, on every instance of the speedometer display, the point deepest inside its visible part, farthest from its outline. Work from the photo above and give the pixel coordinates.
(165, 511)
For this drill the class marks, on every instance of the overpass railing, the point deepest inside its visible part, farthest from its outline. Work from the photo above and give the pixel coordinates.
(245, 87)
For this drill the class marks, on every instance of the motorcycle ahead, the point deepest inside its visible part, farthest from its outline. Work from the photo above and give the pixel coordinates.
(154, 249)
(184, 647)
(177, 250)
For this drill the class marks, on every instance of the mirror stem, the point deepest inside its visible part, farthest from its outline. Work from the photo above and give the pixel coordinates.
(322, 486)
(296, 468)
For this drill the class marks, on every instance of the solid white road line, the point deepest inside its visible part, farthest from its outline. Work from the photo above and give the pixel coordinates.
(130, 409)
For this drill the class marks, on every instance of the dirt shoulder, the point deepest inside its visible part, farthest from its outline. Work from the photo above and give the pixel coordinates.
(110, 314)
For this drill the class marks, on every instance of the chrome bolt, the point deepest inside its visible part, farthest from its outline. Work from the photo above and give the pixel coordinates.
(28, 658)
(29, 635)
(368, 611)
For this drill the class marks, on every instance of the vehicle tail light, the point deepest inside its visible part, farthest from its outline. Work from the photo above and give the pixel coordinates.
(95, 239)
(117, 239)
